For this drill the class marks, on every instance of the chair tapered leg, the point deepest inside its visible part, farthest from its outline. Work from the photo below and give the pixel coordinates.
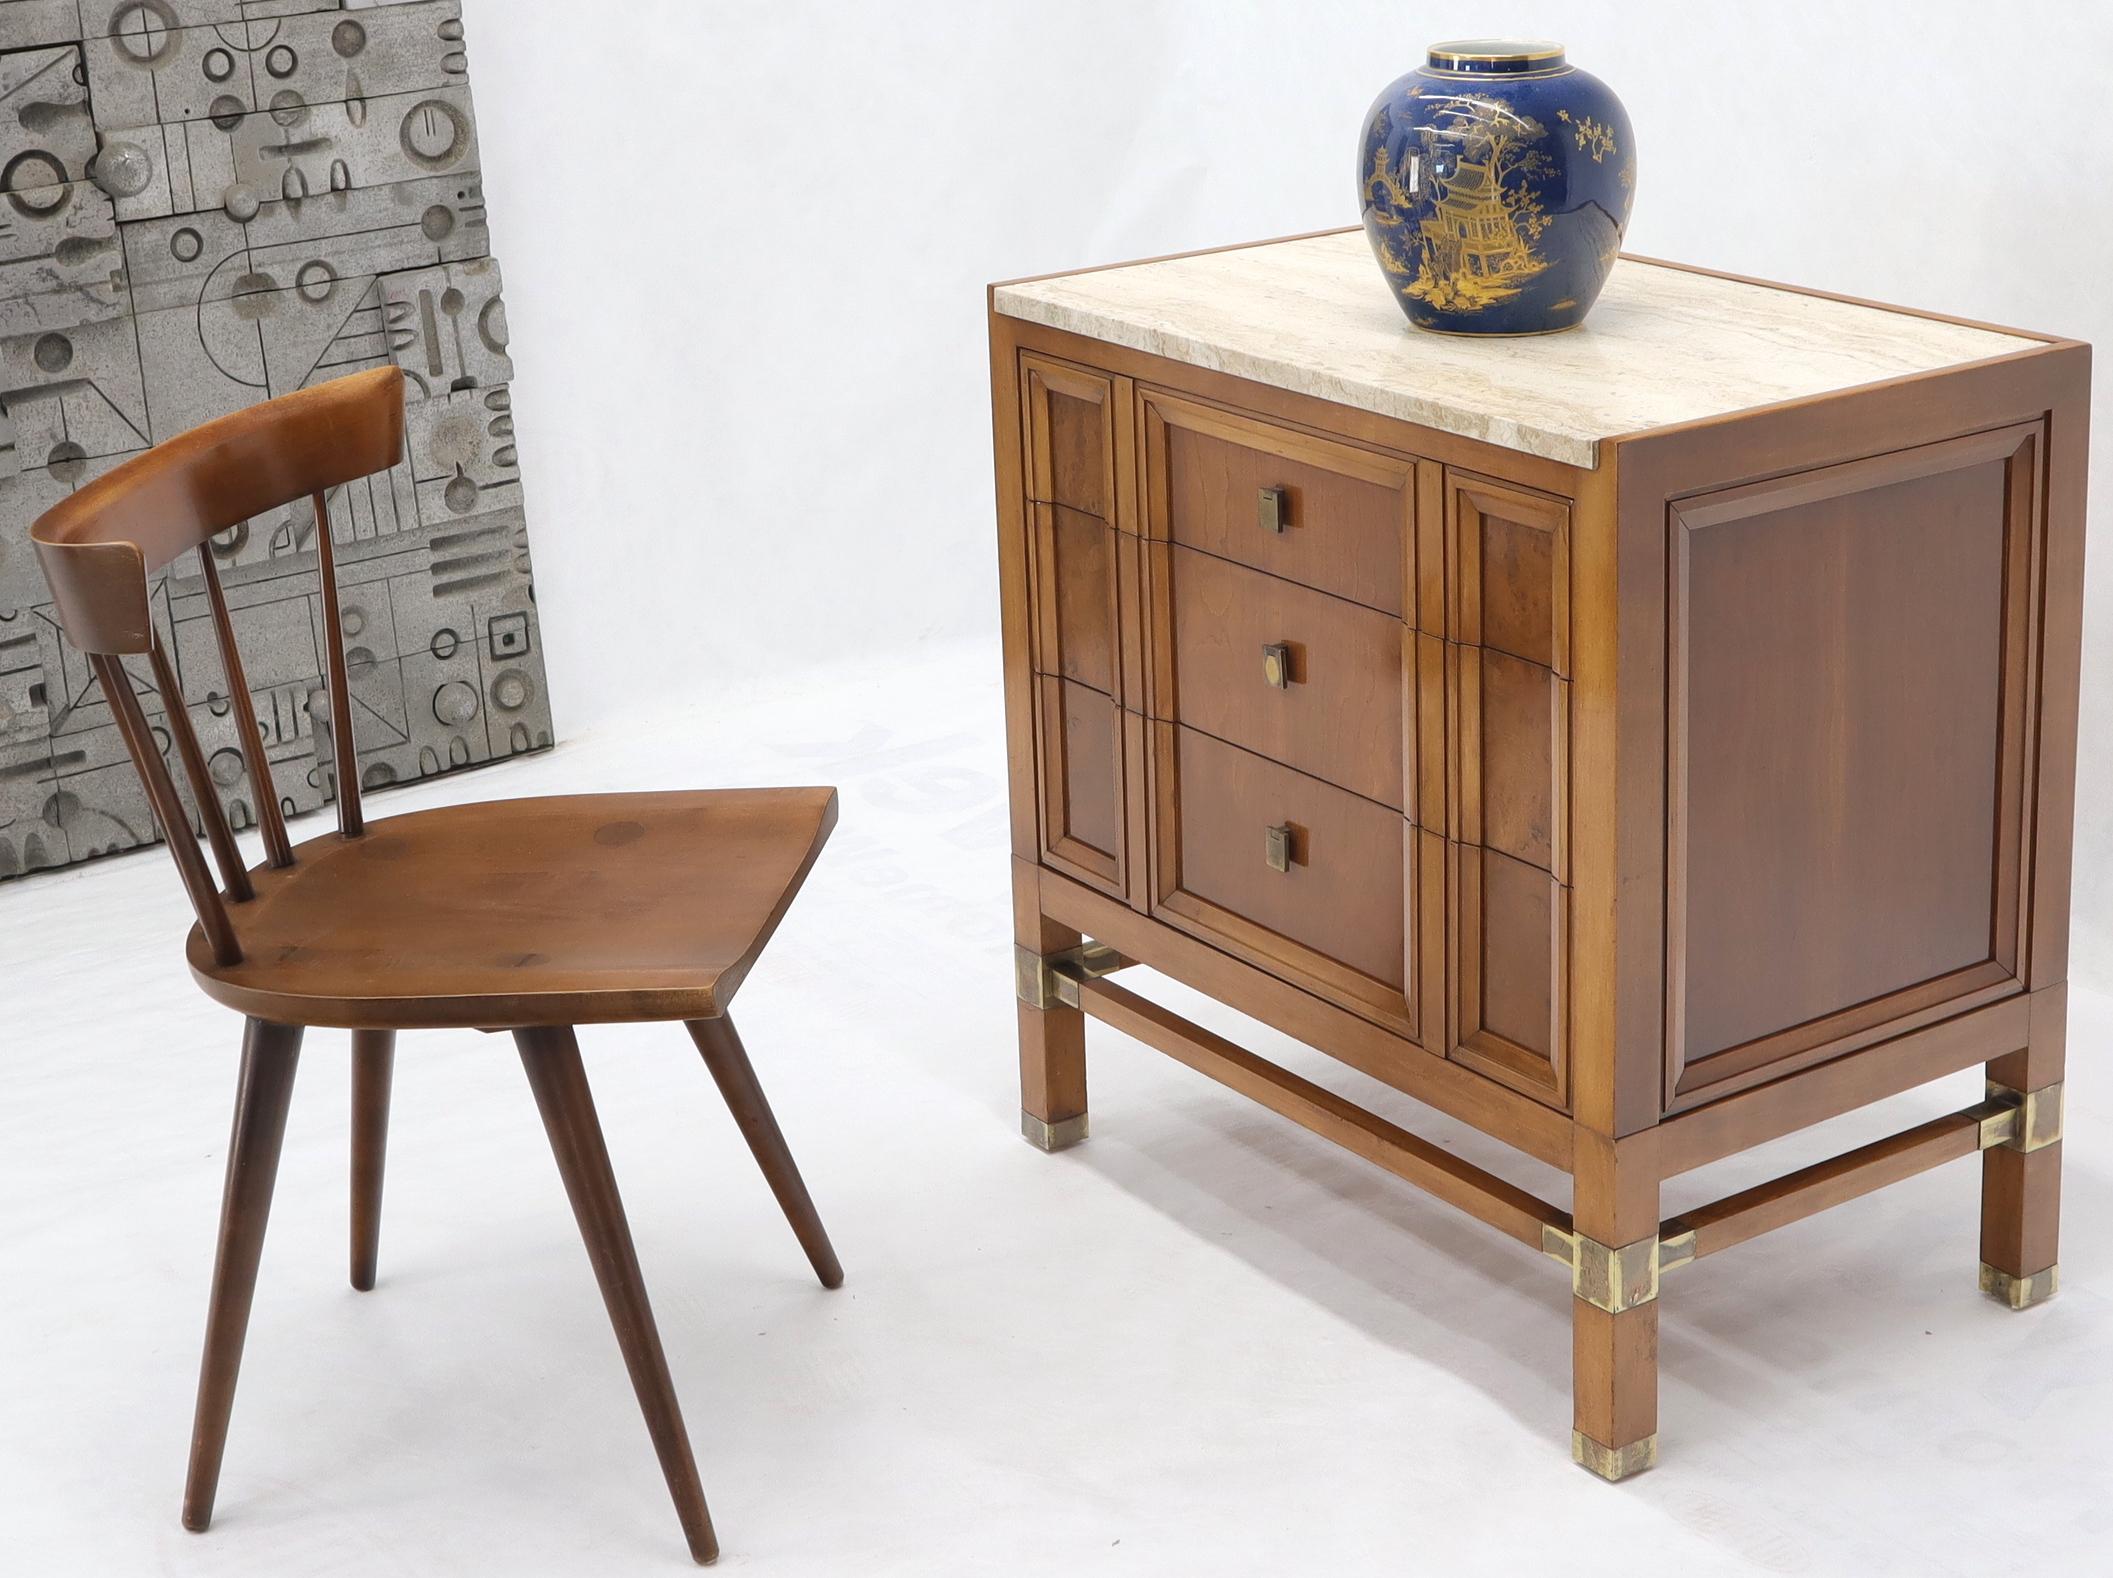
(728, 1060)
(373, 1064)
(551, 1055)
(270, 1054)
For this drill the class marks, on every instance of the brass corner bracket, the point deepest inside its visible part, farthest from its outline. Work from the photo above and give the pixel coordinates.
(2020, 1293)
(1052, 980)
(1605, 1277)
(2022, 1120)
(1614, 1463)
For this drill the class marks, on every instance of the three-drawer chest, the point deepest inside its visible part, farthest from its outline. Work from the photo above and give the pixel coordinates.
(1638, 743)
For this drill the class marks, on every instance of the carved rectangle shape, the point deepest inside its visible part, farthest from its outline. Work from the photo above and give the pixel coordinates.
(1850, 690)
(1070, 436)
(1510, 557)
(1079, 737)
(1340, 713)
(1077, 619)
(1511, 758)
(1336, 921)
(1510, 945)
(1347, 516)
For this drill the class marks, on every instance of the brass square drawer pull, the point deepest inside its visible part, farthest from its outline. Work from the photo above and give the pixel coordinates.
(1277, 847)
(1276, 665)
(1273, 509)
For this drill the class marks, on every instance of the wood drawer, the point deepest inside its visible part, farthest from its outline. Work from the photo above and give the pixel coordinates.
(1329, 702)
(1079, 738)
(1343, 521)
(1335, 920)
(1071, 436)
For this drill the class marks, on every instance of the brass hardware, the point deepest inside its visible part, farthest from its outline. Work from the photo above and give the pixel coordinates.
(2037, 1117)
(1675, 1249)
(1276, 848)
(1273, 509)
(2020, 1293)
(1044, 1136)
(1607, 1278)
(1276, 665)
(1614, 1463)
(1053, 981)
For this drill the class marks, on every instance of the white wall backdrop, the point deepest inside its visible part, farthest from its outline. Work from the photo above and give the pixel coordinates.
(746, 246)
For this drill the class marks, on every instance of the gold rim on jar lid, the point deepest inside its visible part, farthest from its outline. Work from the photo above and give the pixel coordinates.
(1496, 52)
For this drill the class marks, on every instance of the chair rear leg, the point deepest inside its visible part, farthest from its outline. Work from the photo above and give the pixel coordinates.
(373, 1065)
(270, 1054)
(728, 1060)
(551, 1055)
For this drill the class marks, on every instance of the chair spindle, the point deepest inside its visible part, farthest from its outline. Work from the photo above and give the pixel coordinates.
(262, 788)
(349, 821)
(168, 807)
(227, 854)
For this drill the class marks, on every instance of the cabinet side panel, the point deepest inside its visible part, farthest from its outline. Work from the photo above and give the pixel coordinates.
(1846, 733)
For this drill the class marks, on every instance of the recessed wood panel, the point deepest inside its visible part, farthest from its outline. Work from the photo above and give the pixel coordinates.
(1346, 515)
(1338, 712)
(1079, 736)
(1071, 420)
(1510, 563)
(1077, 620)
(1511, 722)
(1334, 919)
(1849, 690)
(1510, 971)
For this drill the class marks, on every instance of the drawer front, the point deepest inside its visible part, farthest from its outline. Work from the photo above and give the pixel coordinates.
(1305, 879)
(1079, 735)
(1326, 515)
(1293, 674)
(1071, 417)
(1077, 603)
(1508, 761)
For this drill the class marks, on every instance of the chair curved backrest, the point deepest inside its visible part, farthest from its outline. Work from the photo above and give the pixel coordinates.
(98, 546)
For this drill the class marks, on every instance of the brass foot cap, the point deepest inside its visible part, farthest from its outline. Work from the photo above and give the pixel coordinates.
(1046, 1136)
(2020, 1293)
(1614, 1462)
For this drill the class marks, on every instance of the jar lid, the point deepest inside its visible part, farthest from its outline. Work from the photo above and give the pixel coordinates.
(1497, 56)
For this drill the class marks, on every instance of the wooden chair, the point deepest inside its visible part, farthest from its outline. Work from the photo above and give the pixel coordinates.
(532, 916)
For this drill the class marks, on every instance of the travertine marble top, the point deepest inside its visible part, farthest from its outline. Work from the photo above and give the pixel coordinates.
(1662, 346)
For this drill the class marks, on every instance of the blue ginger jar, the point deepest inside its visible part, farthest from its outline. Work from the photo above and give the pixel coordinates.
(1496, 180)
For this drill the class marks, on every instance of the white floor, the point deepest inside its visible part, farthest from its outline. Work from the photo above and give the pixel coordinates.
(1204, 1342)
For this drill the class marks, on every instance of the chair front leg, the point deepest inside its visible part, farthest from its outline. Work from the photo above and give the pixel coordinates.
(728, 1060)
(270, 1054)
(551, 1055)
(373, 1065)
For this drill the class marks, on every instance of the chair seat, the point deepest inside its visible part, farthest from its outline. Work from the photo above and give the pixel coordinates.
(563, 910)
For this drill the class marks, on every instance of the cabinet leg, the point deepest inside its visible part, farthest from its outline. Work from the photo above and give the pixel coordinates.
(1052, 1047)
(2021, 1182)
(1614, 1352)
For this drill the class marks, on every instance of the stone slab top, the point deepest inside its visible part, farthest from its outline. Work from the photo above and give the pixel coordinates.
(1662, 346)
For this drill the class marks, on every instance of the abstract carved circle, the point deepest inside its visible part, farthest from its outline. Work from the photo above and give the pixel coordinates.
(348, 39)
(511, 690)
(288, 108)
(53, 353)
(438, 222)
(67, 462)
(460, 494)
(281, 61)
(35, 183)
(352, 619)
(317, 281)
(433, 133)
(186, 244)
(122, 169)
(445, 643)
(218, 65)
(145, 30)
(455, 703)
(225, 766)
(241, 203)
(226, 112)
